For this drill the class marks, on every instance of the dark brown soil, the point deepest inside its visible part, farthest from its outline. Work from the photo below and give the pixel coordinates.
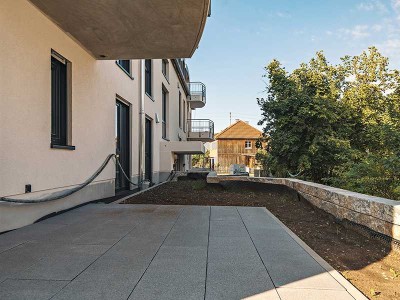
(372, 266)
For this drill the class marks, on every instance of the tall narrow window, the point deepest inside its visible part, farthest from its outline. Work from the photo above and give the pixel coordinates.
(164, 67)
(164, 113)
(59, 101)
(125, 65)
(148, 75)
(184, 116)
(180, 110)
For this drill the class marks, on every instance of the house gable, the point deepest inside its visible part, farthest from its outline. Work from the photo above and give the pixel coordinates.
(239, 130)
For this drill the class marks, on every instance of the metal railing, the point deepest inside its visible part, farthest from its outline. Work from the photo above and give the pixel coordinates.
(184, 69)
(198, 89)
(201, 125)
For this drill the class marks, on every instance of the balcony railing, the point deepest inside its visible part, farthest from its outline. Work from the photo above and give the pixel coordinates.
(200, 130)
(197, 94)
(183, 68)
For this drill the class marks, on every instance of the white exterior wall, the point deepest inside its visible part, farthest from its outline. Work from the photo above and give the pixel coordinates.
(153, 105)
(27, 37)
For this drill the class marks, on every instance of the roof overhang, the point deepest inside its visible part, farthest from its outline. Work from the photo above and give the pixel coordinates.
(131, 29)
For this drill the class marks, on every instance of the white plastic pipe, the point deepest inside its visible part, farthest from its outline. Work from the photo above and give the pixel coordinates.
(142, 123)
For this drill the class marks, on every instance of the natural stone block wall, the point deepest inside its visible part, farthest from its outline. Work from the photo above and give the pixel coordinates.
(379, 214)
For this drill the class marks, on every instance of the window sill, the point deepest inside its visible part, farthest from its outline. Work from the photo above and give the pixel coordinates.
(166, 139)
(64, 147)
(125, 71)
(151, 98)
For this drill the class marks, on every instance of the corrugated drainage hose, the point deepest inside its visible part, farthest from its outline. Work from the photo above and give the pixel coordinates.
(171, 175)
(68, 192)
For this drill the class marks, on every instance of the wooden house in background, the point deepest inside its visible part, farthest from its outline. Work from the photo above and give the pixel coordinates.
(235, 144)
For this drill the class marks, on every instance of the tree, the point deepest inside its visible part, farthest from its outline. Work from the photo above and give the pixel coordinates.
(333, 123)
(303, 119)
(201, 160)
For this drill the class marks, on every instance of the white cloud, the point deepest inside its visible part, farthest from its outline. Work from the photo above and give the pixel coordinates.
(373, 5)
(285, 15)
(396, 4)
(390, 47)
(377, 27)
(357, 32)
(396, 8)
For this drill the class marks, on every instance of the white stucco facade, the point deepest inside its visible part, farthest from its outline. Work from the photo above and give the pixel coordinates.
(27, 39)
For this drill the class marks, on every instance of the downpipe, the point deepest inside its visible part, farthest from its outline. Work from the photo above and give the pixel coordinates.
(142, 123)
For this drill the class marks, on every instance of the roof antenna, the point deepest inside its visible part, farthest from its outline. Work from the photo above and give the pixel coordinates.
(230, 118)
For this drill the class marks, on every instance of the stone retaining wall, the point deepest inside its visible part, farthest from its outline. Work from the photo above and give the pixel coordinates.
(379, 214)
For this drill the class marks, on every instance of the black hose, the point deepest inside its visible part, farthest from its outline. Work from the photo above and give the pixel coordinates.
(66, 193)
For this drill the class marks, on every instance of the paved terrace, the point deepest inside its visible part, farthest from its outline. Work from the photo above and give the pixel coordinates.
(114, 251)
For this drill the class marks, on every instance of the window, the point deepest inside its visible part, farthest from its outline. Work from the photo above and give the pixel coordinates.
(148, 74)
(164, 113)
(126, 66)
(247, 144)
(164, 68)
(184, 116)
(180, 110)
(60, 71)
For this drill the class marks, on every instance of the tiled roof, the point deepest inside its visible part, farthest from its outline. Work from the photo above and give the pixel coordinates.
(239, 130)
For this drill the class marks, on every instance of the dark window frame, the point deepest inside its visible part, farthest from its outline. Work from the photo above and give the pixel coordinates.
(184, 116)
(148, 70)
(180, 109)
(165, 68)
(60, 102)
(126, 66)
(164, 112)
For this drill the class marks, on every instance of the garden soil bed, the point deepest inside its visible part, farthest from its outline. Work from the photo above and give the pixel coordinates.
(372, 266)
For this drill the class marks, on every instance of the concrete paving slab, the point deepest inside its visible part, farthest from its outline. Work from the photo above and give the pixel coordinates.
(67, 234)
(290, 269)
(227, 229)
(63, 263)
(311, 294)
(21, 257)
(114, 275)
(178, 271)
(224, 213)
(110, 277)
(191, 230)
(235, 270)
(106, 234)
(175, 273)
(113, 251)
(33, 232)
(288, 265)
(226, 222)
(267, 295)
(14, 289)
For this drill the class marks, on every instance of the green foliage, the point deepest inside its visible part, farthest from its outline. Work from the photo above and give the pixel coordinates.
(201, 160)
(335, 124)
(199, 185)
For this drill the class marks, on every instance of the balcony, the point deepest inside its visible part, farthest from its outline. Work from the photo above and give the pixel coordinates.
(197, 95)
(200, 130)
(111, 29)
(183, 73)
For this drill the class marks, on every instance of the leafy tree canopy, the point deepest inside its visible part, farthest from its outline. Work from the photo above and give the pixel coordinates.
(335, 124)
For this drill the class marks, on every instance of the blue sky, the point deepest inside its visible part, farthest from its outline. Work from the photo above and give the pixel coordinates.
(241, 37)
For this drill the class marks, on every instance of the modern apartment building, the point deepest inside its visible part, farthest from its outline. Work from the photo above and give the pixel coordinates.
(83, 80)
